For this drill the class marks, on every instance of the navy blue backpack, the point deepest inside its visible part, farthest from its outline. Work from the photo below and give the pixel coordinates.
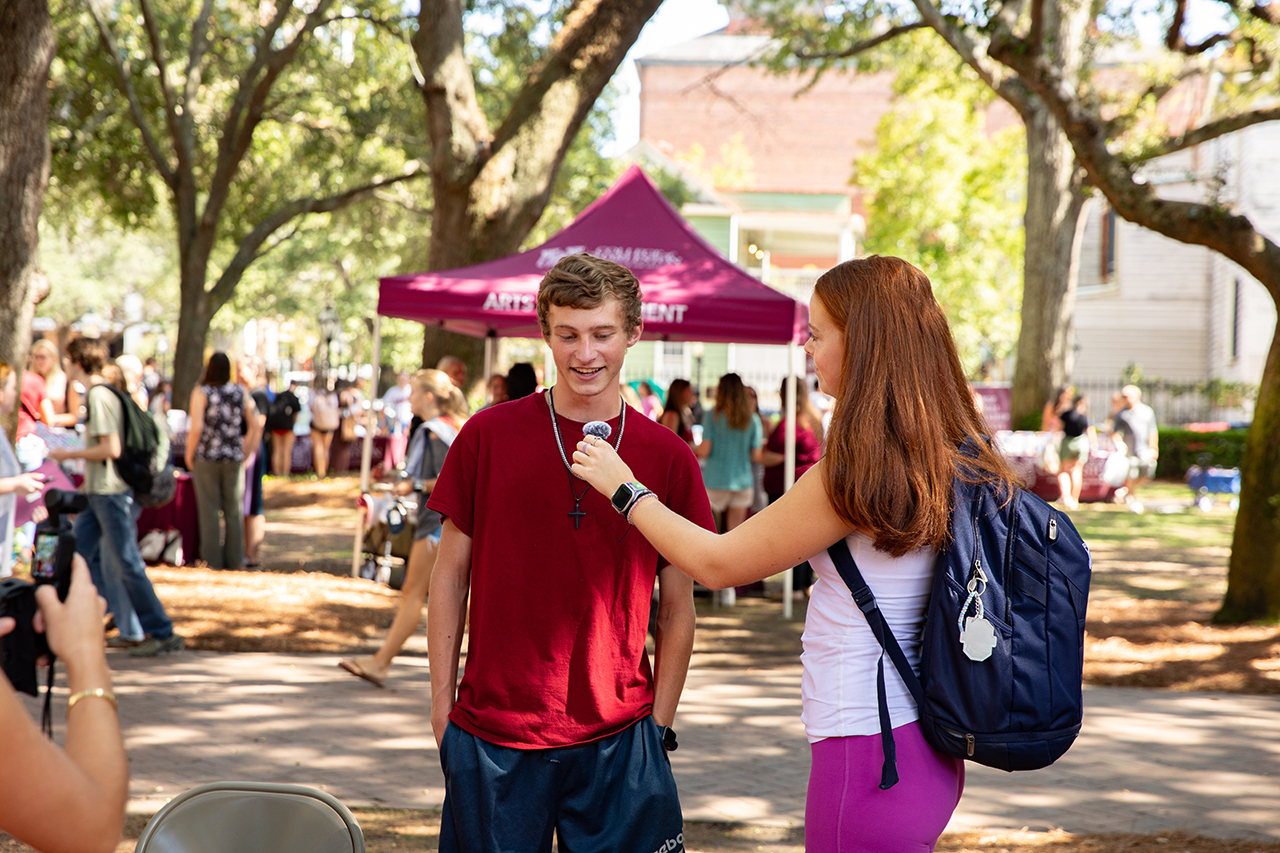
(1002, 647)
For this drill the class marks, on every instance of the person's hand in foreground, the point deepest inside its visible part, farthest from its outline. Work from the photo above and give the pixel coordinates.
(68, 800)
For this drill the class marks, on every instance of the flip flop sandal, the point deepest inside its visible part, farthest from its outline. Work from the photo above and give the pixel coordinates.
(357, 670)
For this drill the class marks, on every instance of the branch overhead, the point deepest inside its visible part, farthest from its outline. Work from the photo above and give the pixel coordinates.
(864, 45)
(1230, 234)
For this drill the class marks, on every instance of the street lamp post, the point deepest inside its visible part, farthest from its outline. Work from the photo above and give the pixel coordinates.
(329, 325)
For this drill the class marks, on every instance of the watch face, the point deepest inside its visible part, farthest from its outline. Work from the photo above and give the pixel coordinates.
(621, 497)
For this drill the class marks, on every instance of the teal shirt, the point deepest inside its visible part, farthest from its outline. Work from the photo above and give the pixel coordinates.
(729, 465)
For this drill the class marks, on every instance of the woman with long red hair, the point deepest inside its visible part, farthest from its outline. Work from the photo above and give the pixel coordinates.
(882, 348)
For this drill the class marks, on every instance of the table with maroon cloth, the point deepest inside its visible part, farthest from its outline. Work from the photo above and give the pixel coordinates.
(1044, 484)
(178, 514)
(388, 450)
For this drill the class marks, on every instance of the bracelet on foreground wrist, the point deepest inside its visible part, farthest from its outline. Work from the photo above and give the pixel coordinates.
(645, 494)
(96, 692)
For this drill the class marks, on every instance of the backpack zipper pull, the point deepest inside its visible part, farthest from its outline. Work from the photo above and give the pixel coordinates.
(969, 742)
(1053, 529)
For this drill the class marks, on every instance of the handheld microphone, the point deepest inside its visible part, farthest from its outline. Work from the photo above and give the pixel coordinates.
(600, 429)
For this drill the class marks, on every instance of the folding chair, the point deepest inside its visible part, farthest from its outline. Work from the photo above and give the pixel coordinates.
(252, 817)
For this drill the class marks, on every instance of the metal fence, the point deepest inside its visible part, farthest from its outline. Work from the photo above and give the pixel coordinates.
(1176, 403)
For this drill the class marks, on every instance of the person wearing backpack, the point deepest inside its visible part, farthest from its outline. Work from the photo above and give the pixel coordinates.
(223, 428)
(881, 346)
(281, 417)
(107, 535)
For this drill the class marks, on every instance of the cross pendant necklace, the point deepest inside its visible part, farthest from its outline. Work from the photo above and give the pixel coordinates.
(577, 513)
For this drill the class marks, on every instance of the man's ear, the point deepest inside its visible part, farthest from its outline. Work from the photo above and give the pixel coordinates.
(634, 337)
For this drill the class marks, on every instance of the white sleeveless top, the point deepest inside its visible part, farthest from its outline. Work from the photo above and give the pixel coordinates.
(838, 689)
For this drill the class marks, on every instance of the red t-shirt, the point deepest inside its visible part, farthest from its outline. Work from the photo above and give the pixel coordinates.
(33, 394)
(558, 616)
(808, 452)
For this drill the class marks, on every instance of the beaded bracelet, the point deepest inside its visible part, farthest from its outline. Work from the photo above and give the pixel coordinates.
(99, 692)
(645, 494)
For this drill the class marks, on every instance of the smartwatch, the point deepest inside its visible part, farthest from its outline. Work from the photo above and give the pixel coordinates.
(625, 494)
(668, 738)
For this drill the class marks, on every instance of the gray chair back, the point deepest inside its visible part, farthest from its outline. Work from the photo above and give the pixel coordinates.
(252, 817)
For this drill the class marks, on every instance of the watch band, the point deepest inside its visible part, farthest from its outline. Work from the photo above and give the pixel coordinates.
(626, 495)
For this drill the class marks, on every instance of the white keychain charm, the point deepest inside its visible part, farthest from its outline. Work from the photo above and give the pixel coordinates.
(977, 635)
(978, 638)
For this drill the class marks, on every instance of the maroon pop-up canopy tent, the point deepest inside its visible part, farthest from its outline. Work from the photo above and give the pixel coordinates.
(691, 293)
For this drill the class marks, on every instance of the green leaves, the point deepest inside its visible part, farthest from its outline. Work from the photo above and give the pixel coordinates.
(947, 194)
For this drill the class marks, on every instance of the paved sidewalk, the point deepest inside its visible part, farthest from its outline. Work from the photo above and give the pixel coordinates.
(1147, 761)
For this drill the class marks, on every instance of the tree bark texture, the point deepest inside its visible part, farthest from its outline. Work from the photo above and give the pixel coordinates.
(490, 186)
(26, 50)
(1051, 264)
(194, 316)
(1054, 222)
(1253, 574)
(200, 186)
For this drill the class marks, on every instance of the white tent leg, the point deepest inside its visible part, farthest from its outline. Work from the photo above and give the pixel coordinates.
(789, 462)
(366, 452)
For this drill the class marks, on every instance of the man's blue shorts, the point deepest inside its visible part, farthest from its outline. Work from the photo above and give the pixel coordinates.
(615, 795)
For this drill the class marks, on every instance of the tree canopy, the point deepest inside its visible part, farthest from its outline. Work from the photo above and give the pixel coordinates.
(241, 119)
(948, 196)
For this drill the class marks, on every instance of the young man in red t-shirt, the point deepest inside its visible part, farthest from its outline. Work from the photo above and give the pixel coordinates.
(559, 724)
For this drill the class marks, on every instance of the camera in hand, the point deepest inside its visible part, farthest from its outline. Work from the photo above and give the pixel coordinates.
(55, 545)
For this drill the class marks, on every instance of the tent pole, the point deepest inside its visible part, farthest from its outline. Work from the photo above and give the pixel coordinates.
(789, 462)
(366, 452)
(489, 345)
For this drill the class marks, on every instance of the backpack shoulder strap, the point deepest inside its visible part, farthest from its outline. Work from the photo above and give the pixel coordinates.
(88, 410)
(866, 601)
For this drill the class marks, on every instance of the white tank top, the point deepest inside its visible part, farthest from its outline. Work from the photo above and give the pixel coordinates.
(838, 689)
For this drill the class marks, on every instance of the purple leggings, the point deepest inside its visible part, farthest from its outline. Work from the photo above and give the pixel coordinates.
(846, 812)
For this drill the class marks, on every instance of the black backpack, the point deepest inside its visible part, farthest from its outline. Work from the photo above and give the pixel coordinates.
(1019, 566)
(281, 411)
(143, 463)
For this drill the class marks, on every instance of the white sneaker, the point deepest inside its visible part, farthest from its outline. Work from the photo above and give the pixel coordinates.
(1133, 504)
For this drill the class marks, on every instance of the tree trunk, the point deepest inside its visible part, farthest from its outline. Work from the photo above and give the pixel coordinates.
(463, 233)
(26, 50)
(1253, 575)
(1051, 264)
(194, 316)
(453, 244)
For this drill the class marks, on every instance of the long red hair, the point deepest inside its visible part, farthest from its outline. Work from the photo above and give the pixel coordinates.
(903, 408)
